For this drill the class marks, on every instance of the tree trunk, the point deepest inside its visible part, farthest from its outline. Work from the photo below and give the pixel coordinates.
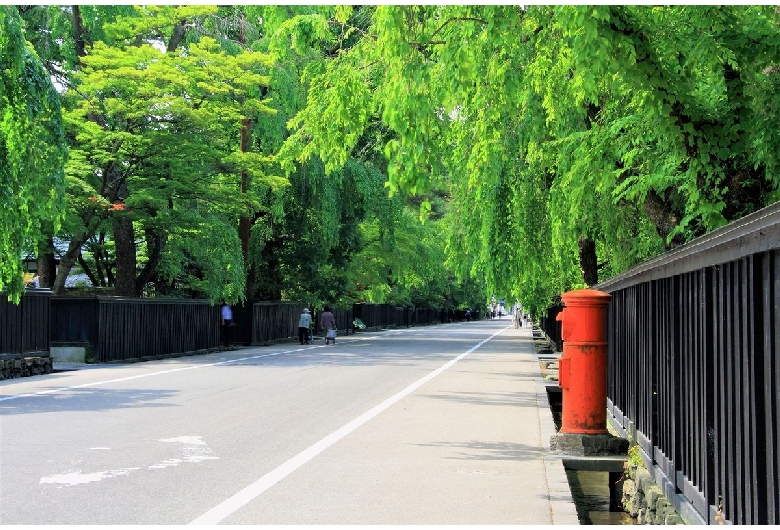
(664, 220)
(588, 261)
(103, 272)
(47, 267)
(67, 261)
(91, 275)
(244, 223)
(155, 243)
(177, 36)
(251, 281)
(124, 239)
(78, 32)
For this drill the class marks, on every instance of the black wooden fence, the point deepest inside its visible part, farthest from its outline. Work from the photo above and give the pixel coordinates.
(127, 329)
(551, 326)
(694, 370)
(151, 328)
(74, 320)
(344, 319)
(378, 315)
(24, 328)
(273, 321)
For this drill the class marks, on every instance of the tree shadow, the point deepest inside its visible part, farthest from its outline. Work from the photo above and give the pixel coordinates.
(511, 399)
(344, 354)
(85, 399)
(489, 451)
(407, 349)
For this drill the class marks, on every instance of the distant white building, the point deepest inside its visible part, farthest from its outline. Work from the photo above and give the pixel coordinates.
(78, 280)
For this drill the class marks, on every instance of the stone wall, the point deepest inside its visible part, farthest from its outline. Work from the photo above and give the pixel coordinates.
(644, 499)
(11, 368)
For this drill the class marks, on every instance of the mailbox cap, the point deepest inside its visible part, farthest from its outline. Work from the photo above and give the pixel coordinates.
(585, 297)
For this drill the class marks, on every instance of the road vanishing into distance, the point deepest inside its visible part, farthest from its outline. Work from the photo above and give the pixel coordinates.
(410, 426)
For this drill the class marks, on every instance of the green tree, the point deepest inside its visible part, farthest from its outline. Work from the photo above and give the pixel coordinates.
(576, 140)
(157, 186)
(156, 139)
(61, 36)
(32, 151)
(400, 263)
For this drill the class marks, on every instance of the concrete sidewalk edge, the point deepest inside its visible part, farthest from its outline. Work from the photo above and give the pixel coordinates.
(564, 511)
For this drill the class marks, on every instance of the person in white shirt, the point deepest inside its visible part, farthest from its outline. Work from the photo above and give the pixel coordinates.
(227, 322)
(304, 326)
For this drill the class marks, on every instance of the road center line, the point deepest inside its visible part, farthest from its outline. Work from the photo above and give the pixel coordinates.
(254, 490)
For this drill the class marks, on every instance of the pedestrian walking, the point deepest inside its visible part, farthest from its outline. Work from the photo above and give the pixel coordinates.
(227, 323)
(328, 325)
(304, 322)
(517, 317)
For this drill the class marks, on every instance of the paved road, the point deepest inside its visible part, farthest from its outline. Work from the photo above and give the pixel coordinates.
(430, 425)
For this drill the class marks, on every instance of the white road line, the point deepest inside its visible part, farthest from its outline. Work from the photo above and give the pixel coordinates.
(254, 490)
(140, 376)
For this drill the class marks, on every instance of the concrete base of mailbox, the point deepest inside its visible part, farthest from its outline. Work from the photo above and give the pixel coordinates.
(588, 444)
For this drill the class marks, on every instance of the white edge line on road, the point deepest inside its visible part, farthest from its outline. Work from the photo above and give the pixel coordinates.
(140, 376)
(254, 490)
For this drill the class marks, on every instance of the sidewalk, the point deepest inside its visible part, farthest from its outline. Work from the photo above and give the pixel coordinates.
(472, 446)
(469, 447)
(499, 398)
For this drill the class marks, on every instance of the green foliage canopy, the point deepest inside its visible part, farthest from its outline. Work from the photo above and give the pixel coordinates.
(634, 127)
(32, 151)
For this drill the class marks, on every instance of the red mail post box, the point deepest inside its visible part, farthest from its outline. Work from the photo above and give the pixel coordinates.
(583, 365)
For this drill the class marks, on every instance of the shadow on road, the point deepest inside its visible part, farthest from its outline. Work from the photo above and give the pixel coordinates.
(486, 450)
(511, 399)
(86, 399)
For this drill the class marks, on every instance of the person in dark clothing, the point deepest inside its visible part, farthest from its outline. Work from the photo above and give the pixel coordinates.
(328, 323)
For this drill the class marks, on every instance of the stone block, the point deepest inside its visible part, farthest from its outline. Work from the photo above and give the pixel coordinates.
(663, 508)
(588, 444)
(644, 479)
(25, 367)
(673, 518)
(653, 495)
(638, 504)
(629, 487)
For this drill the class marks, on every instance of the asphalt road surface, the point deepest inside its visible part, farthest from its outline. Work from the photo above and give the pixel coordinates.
(410, 426)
